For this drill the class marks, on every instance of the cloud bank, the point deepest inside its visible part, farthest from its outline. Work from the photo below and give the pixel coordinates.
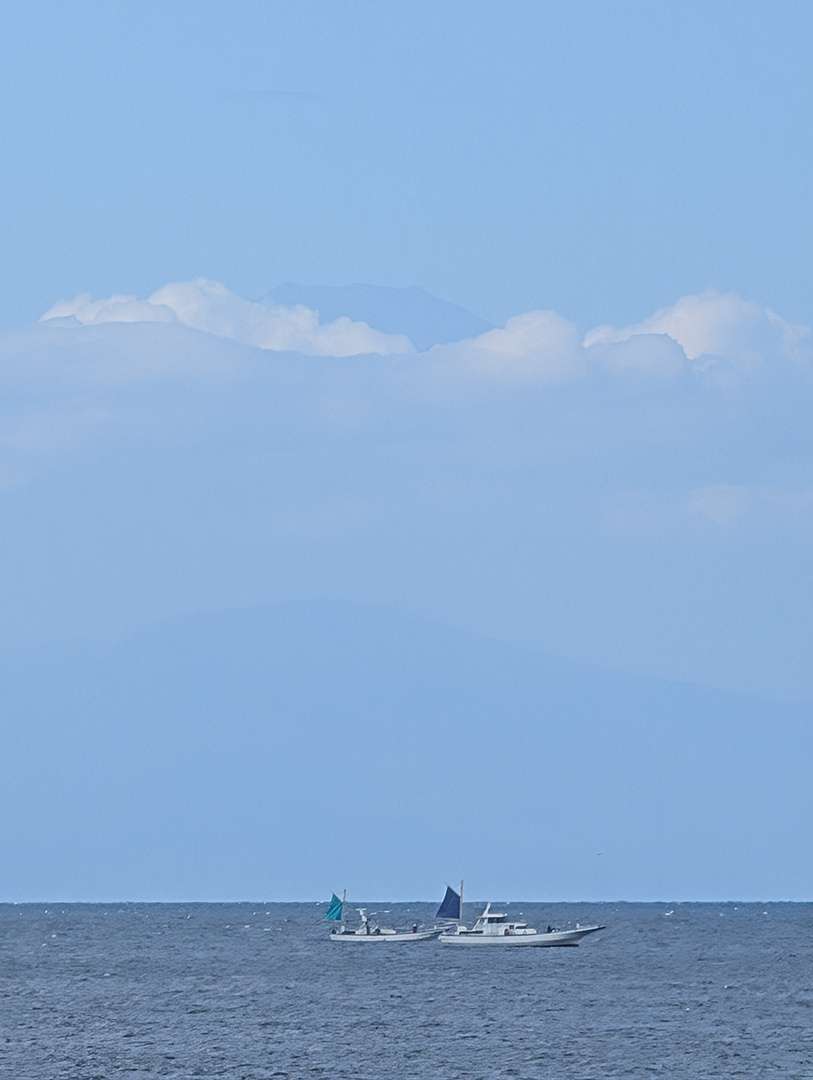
(638, 497)
(717, 325)
(697, 334)
(711, 333)
(211, 307)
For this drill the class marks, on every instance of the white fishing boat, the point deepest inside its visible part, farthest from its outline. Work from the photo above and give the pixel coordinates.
(369, 931)
(495, 929)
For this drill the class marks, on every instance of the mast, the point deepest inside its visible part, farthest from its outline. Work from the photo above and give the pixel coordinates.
(461, 901)
(344, 897)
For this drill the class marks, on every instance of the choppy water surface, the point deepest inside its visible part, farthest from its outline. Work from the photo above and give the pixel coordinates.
(249, 991)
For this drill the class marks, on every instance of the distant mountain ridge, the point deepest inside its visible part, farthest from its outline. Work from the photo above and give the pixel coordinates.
(425, 319)
(267, 751)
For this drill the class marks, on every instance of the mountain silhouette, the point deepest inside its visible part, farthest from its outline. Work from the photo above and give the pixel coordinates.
(424, 318)
(259, 752)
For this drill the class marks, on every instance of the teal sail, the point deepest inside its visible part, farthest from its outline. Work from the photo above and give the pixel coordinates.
(334, 910)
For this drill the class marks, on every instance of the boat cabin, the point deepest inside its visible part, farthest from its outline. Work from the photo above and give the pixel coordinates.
(496, 922)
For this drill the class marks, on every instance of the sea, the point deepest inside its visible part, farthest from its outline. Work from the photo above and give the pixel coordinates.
(258, 991)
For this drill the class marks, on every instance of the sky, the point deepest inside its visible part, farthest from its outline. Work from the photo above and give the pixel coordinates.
(598, 159)
(404, 429)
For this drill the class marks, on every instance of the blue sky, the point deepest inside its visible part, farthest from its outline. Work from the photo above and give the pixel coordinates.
(540, 480)
(598, 159)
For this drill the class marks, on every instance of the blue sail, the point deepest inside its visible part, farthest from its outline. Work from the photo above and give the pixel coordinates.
(450, 905)
(334, 911)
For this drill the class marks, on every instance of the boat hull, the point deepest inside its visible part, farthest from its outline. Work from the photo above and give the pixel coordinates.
(409, 935)
(556, 939)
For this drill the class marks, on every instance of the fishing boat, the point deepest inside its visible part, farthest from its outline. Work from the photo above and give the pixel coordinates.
(369, 931)
(494, 928)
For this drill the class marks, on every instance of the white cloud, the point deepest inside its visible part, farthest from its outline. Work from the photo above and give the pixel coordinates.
(539, 346)
(211, 307)
(650, 354)
(116, 308)
(716, 335)
(715, 324)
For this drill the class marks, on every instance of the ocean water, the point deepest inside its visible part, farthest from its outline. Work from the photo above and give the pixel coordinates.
(257, 991)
